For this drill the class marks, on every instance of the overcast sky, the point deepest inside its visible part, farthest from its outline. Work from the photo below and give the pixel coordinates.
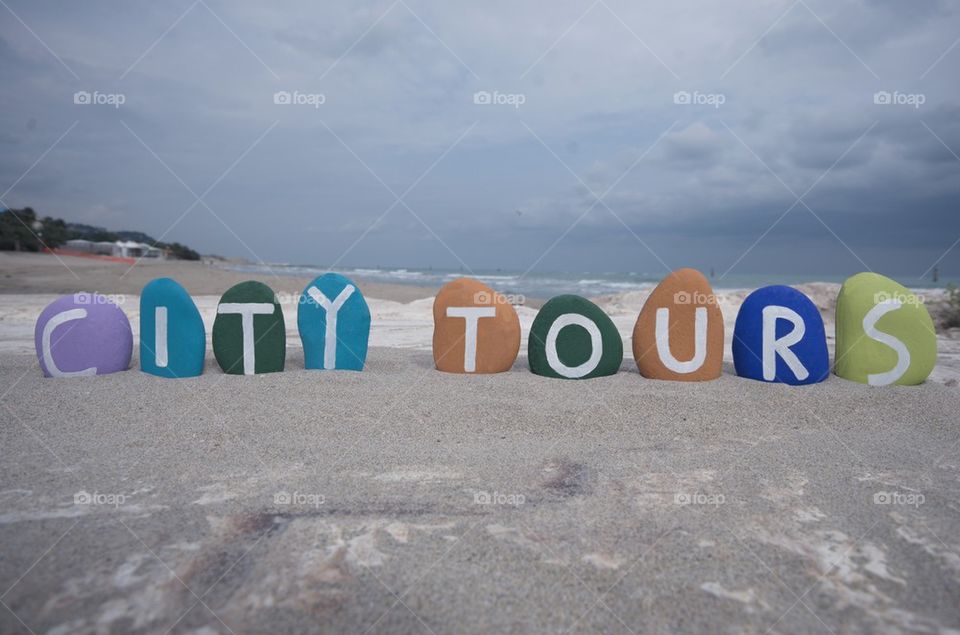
(782, 161)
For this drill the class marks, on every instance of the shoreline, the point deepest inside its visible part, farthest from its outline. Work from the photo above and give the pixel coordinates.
(25, 273)
(401, 313)
(46, 272)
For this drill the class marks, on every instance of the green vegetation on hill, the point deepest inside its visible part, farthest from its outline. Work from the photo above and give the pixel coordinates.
(951, 316)
(19, 229)
(22, 230)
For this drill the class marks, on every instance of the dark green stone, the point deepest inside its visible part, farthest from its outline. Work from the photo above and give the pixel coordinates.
(573, 345)
(269, 331)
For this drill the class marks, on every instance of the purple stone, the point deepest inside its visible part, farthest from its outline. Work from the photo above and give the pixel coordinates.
(83, 334)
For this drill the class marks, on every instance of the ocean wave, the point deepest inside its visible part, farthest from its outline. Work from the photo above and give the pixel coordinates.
(639, 286)
(504, 278)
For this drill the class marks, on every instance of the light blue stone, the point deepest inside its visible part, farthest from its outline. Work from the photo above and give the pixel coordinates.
(165, 306)
(335, 337)
(806, 359)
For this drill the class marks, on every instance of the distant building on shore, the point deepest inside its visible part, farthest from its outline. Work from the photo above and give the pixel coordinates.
(119, 249)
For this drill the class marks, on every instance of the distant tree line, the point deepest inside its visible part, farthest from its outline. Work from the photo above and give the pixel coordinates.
(23, 230)
(19, 229)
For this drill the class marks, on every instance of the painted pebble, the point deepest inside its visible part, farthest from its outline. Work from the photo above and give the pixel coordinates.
(572, 338)
(334, 324)
(249, 335)
(475, 329)
(884, 333)
(173, 341)
(779, 337)
(83, 334)
(679, 332)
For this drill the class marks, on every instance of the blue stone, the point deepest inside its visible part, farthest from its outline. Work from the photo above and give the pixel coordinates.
(796, 343)
(173, 341)
(334, 323)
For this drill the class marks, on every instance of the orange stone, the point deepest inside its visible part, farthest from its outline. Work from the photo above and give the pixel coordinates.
(475, 329)
(679, 333)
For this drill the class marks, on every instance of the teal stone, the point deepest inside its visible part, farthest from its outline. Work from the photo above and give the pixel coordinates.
(173, 341)
(572, 338)
(249, 335)
(334, 324)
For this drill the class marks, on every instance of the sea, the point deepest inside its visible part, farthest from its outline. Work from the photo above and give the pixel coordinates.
(545, 285)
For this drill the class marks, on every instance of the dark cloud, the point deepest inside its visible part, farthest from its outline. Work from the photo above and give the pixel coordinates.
(498, 184)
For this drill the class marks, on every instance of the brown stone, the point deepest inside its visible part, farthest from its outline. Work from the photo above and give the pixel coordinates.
(473, 305)
(678, 357)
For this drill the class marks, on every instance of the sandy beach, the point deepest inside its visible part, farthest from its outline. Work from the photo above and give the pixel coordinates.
(589, 195)
(402, 499)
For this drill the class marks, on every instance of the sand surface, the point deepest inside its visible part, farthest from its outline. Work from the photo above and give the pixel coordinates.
(786, 524)
(43, 273)
(404, 500)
